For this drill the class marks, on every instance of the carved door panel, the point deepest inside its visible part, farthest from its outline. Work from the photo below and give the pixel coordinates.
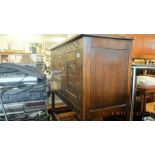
(73, 82)
(62, 79)
(58, 72)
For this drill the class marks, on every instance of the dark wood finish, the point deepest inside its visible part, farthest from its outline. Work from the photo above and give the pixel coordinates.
(53, 100)
(93, 74)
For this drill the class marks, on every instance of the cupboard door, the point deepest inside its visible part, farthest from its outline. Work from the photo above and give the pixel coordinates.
(73, 82)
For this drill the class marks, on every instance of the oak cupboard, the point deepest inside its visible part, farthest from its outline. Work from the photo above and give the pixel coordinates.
(92, 73)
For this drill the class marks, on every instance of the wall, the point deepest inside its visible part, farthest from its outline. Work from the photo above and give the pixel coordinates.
(144, 45)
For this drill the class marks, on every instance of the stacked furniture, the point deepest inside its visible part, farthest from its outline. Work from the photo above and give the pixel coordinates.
(93, 74)
(23, 92)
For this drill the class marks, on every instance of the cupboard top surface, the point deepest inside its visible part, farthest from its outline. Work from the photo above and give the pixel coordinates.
(92, 35)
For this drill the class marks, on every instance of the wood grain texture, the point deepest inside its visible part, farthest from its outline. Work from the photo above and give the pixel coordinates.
(86, 78)
(143, 45)
(109, 78)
